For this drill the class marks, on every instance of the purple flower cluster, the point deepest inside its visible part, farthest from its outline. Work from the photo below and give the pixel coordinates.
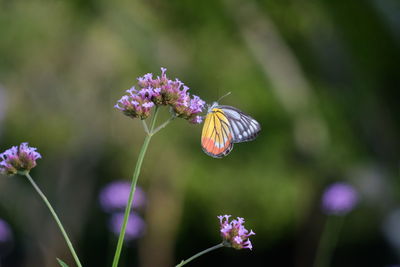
(234, 233)
(18, 159)
(137, 103)
(113, 199)
(339, 199)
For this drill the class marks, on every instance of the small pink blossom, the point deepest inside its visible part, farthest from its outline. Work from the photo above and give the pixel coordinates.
(234, 233)
(18, 159)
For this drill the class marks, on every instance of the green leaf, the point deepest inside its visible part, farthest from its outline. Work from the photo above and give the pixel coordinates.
(63, 264)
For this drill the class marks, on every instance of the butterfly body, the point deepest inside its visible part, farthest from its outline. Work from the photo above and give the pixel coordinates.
(224, 126)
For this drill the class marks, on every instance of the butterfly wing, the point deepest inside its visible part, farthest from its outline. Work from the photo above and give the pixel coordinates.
(217, 138)
(243, 127)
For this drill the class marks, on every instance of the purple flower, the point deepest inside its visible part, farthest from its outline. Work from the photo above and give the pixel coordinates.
(115, 195)
(18, 159)
(196, 120)
(188, 108)
(234, 233)
(136, 104)
(5, 232)
(339, 199)
(161, 91)
(134, 228)
(196, 104)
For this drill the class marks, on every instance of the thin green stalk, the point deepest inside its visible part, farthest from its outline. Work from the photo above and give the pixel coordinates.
(133, 188)
(199, 254)
(163, 125)
(71, 248)
(328, 241)
(146, 129)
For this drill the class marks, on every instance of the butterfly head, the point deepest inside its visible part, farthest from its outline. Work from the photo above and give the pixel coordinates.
(215, 103)
(210, 107)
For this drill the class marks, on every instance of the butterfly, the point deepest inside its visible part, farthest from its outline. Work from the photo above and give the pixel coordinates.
(224, 126)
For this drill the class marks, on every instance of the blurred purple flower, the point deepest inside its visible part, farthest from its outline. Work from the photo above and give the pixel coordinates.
(5, 232)
(18, 159)
(135, 227)
(161, 91)
(339, 199)
(234, 233)
(114, 196)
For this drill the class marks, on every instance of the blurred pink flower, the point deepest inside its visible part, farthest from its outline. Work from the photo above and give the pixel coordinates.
(135, 226)
(339, 199)
(114, 196)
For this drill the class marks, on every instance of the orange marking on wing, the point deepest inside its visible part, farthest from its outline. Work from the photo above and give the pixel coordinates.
(225, 147)
(216, 135)
(208, 144)
(210, 147)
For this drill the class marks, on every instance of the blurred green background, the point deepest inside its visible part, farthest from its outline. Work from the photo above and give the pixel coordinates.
(322, 78)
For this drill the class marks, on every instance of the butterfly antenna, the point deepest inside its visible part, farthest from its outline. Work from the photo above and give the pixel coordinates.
(225, 95)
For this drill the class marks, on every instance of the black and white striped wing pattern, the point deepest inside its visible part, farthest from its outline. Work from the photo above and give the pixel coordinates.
(243, 127)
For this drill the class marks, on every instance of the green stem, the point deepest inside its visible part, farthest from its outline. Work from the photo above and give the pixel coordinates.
(146, 129)
(71, 248)
(163, 125)
(133, 188)
(328, 241)
(199, 254)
